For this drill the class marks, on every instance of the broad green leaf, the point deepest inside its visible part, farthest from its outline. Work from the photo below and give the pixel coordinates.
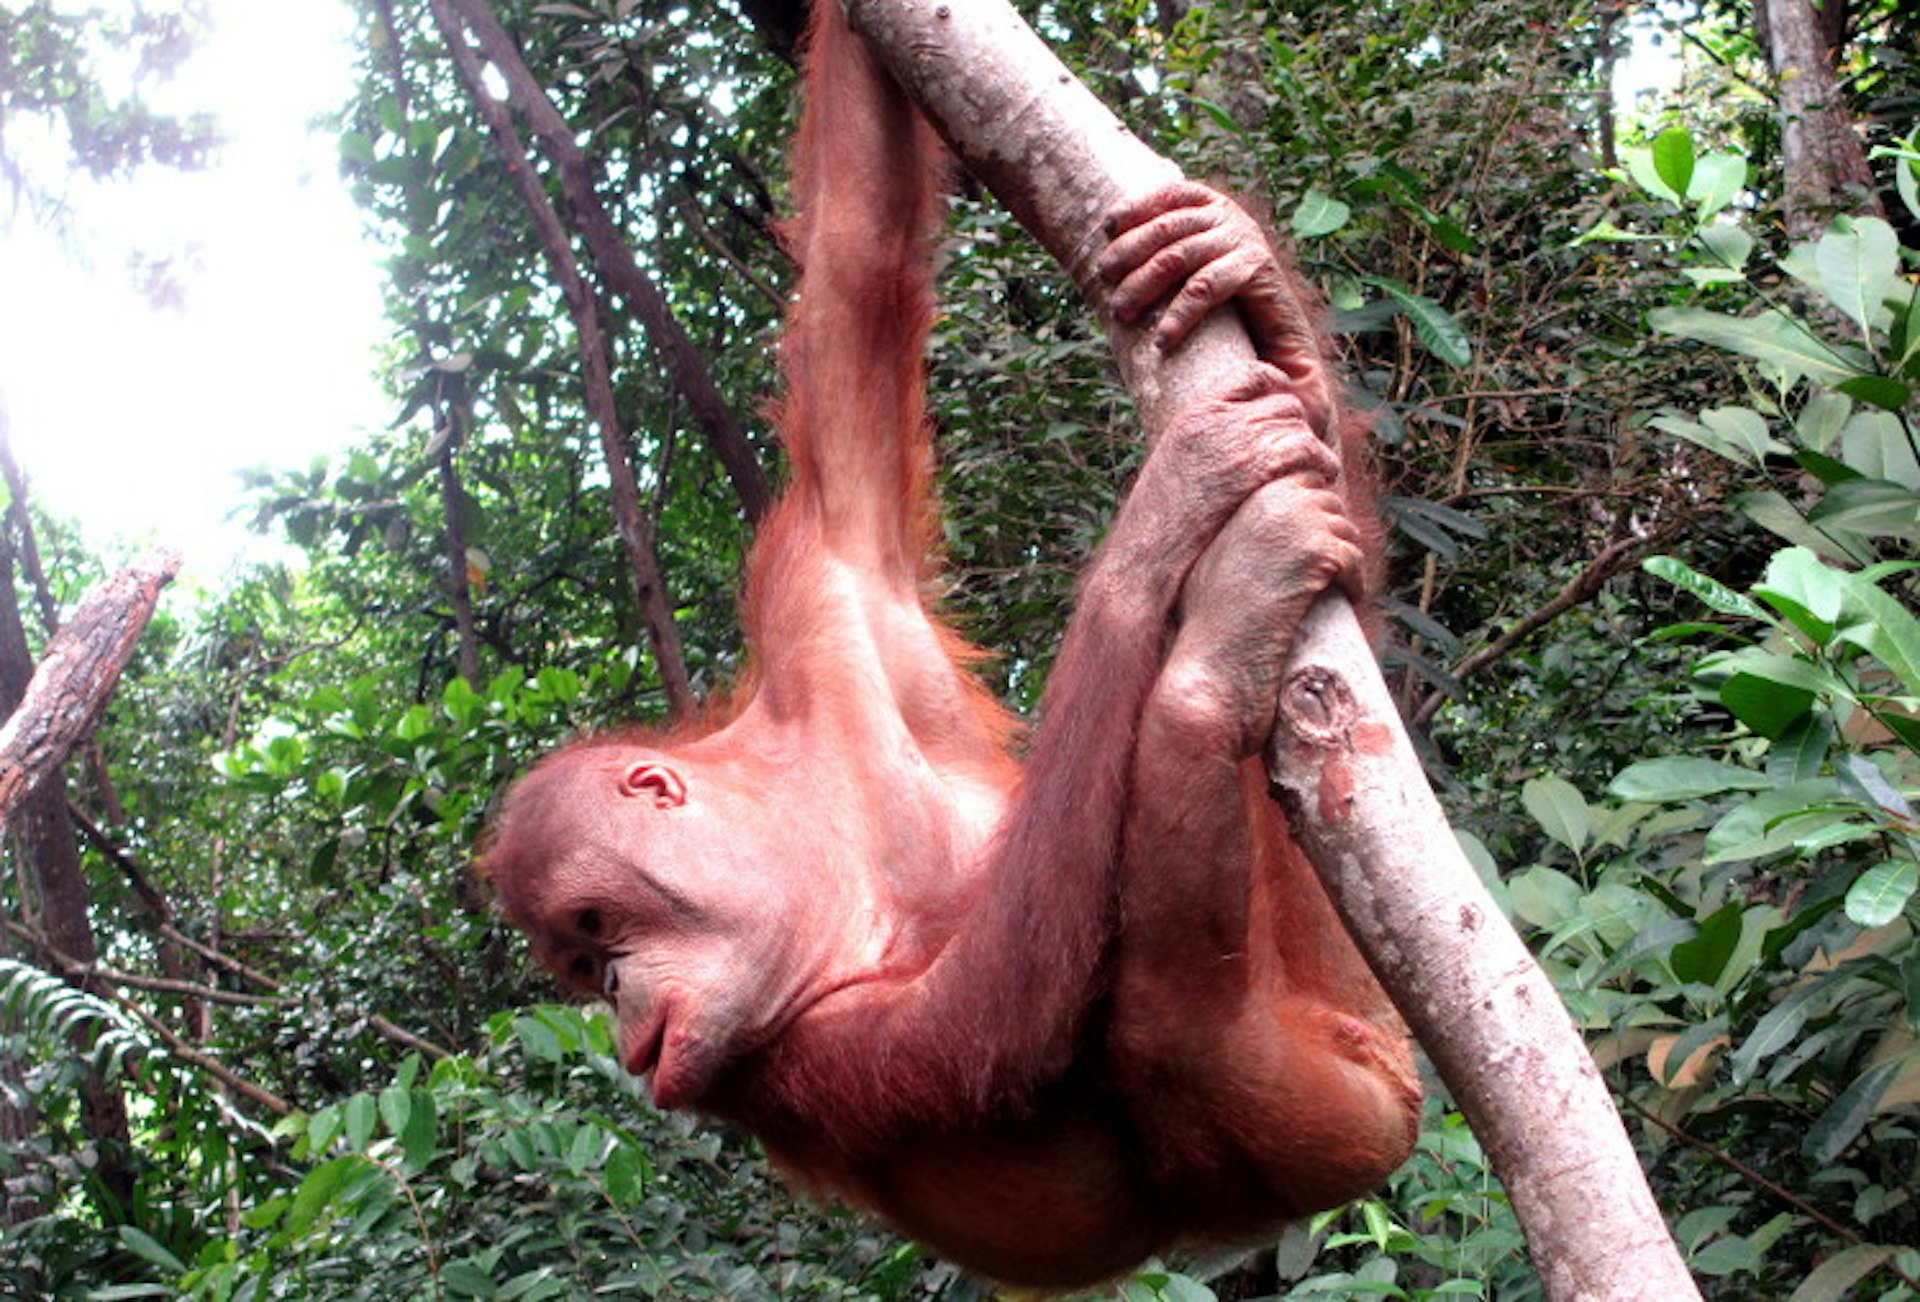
(1725, 1256)
(1879, 894)
(147, 1248)
(1714, 593)
(1679, 777)
(322, 1128)
(1673, 160)
(396, 1105)
(1821, 420)
(1728, 244)
(1544, 897)
(1859, 262)
(1764, 703)
(1800, 751)
(625, 1176)
(1646, 174)
(1772, 337)
(1848, 1115)
(1778, 1027)
(1432, 324)
(1775, 514)
(1877, 391)
(417, 1142)
(315, 1194)
(1319, 214)
(1881, 626)
(361, 1112)
(1803, 589)
(1717, 180)
(1873, 508)
(1556, 804)
(1833, 1279)
(1770, 821)
(1879, 445)
(1703, 958)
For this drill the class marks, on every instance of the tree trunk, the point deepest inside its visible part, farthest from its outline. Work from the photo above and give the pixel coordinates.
(45, 840)
(1824, 160)
(1341, 761)
(451, 409)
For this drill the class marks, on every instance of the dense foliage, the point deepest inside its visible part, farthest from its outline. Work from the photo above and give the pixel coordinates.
(1653, 473)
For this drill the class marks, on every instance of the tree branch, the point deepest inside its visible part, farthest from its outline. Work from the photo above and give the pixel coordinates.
(76, 675)
(1340, 761)
(610, 251)
(595, 359)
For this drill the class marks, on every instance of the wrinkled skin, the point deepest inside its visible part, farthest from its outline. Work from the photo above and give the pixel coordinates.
(1050, 1017)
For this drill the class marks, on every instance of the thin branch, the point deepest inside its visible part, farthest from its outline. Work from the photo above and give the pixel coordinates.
(1581, 588)
(595, 363)
(609, 249)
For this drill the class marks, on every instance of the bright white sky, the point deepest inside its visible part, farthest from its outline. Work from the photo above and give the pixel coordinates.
(135, 420)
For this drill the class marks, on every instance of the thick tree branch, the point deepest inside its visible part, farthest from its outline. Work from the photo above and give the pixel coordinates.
(1341, 762)
(610, 252)
(76, 675)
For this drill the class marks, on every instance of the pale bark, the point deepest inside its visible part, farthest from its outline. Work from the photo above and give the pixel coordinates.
(1481, 1007)
(77, 673)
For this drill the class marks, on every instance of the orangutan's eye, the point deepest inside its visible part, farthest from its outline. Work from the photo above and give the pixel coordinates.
(588, 921)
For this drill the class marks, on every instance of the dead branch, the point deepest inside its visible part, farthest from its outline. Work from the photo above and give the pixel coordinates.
(76, 675)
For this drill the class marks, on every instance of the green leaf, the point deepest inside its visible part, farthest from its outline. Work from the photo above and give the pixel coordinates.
(1833, 1279)
(1877, 391)
(1848, 1115)
(1772, 337)
(1739, 434)
(1432, 324)
(1775, 1030)
(1880, 626)
(1806, 591)
(147, 1248)
(1775, 514)
(1666, 781)
(1879, 894)
(1765, 705)
(1717, 180)
(1545, 898)
(1727, 244)
(625, 1176)
(1874, 508)
(396, 1105)
(1859, 266)
(1821, 420)
(1646, 174)
(1673, 160)
(1772, 821)
(1556, 804)
(360, 1116)
(417, 1142)
(1318, 214)
(315, 1194)
(1704, 958)
(1715, 594)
